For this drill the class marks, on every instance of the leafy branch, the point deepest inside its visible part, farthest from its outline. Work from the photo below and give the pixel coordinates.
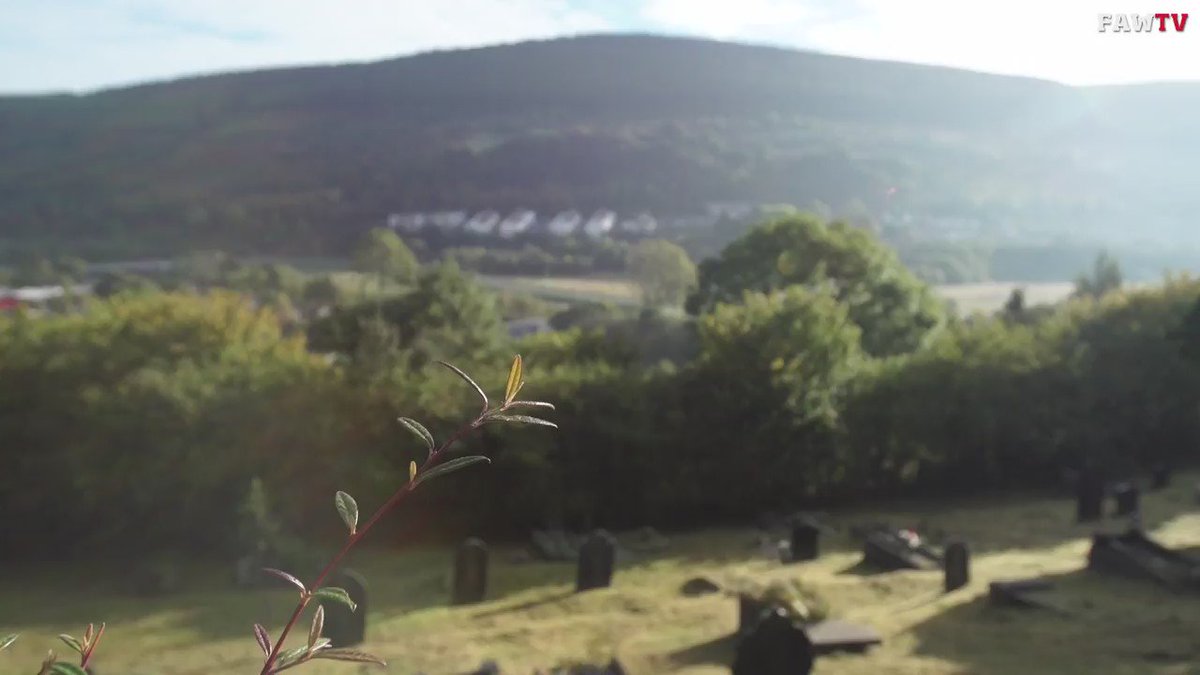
(318, 647)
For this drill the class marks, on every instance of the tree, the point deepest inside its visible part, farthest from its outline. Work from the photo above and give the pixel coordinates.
(894, 309)
(1105, 277)
(663, 271)
(385, 255)
(1014, 308)
(322, 291)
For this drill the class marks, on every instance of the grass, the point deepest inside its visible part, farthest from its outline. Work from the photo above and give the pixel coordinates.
(532, 619)
(570, 289)
(968, 298)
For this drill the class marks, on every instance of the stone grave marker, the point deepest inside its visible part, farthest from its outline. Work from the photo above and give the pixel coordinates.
(597, 558)
(343, 627)
(1128, 498)
(1089, 497)
(750, 611)
(776, 646)
(470, 572)
(1160, 475)
(805, 538)
(957, 561)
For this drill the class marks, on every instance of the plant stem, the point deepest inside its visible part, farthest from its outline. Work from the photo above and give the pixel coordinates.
(353, 539)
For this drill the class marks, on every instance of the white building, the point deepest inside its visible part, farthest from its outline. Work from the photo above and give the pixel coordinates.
(483, 222)
(448, 220)
(406, 222)
(517, 222)
(600, 224)
(565, 223)
(643, 223)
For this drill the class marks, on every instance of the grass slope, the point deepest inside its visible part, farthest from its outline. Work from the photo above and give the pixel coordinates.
(533, 620)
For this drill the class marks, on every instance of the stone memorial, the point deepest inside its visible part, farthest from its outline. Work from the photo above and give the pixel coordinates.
(1127, 497)
(957, 563)
(1160, 476)
(470, 573)
(1089, 497)
(597, 558)
(805, 538)
(776, 646)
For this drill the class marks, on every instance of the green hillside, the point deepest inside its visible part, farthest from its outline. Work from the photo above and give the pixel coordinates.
(299, 160)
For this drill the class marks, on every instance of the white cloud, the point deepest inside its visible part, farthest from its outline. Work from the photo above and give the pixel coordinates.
(1056, 39)
(72, 45)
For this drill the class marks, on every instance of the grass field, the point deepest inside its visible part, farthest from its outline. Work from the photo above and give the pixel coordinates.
(968, 298)
(532, 619)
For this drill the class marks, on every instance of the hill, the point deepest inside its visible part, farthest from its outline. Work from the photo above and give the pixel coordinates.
(299, 160)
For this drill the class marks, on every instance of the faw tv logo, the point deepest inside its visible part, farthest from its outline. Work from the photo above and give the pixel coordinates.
(1143, 23)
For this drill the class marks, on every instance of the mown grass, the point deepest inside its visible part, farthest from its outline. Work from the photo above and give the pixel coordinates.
(532, 619)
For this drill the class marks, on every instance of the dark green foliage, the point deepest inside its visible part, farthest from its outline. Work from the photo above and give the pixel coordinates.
(1105, 277)
(895, 311)
(663, 271)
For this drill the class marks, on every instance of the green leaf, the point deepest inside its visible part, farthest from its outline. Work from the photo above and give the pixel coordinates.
(447, 467)
(347, 508)
(71, 642)
(286, 577)
(335, 594)
(66, 669)
(419, 429)
(521, 419)
(318, 624)
(514, 380)
(321, 643)
(349, 655)
(7, 640)
(478, 389)
(533, 404)
(290, 657)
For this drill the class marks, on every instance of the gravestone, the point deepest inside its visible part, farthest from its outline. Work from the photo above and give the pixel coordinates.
(805, 538)
(1089, 497)
(343, 627)
(597, 558)
(1128, 497)
(470, 572)
(776, 646)
(957, 561)
(750, 611)
(1160, 476)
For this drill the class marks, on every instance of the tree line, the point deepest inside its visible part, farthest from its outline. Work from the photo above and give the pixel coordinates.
(811, 367)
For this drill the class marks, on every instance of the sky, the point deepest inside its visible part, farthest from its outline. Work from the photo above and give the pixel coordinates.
(84, 45)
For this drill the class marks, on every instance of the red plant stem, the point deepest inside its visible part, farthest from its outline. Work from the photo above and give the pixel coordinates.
(353, 539)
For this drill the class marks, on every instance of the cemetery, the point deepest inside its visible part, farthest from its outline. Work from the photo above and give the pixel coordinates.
(983, 587)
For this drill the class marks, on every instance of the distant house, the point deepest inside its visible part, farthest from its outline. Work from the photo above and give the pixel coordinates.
(600, 224)
(37, 296)
(517, 223)
(483, 222)
(407, 222)
(732, 210)
(448, 220)
(641, 224)
(519, 328)
(564, 224)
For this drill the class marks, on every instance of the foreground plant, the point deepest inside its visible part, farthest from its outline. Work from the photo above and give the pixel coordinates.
(52, 666)
(435, 465)
(316, 646)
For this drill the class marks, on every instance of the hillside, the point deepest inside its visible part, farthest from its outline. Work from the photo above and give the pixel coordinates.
(298, 160)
